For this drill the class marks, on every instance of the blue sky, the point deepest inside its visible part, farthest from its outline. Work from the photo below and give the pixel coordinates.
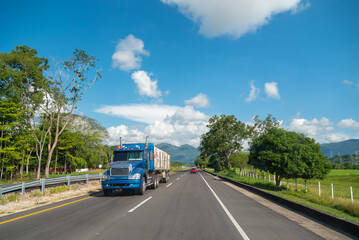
(168, 65)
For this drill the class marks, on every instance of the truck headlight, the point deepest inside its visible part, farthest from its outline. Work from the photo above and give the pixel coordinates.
(135, 176)
(105, 177)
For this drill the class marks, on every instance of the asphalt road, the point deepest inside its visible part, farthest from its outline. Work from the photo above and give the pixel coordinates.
(190, 206)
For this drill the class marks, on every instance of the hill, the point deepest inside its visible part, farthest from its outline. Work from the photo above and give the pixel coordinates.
(185, 154)
(350, 146)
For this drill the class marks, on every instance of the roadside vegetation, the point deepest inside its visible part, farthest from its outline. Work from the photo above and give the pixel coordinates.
(178, 166)
(340, 206)
(284, 163)
(39, 132)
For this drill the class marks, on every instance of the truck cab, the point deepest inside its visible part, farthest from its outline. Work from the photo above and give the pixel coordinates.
(135, 167)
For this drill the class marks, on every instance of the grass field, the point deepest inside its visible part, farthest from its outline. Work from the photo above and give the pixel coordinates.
(341, 205)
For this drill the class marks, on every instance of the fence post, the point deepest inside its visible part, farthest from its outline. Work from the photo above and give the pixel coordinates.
(319, 187)
(43, 185)
(332, 190)
(274, 178)
(23, 187)
(68, 181)
(296, 184)
(306, 189)
(351, 193)
(287, 184)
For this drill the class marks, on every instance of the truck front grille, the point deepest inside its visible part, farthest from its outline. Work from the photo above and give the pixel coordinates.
(119, 171)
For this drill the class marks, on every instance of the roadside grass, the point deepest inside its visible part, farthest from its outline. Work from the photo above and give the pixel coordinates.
(58, 189)
(340, 206)
(32, 177)
(176, 169)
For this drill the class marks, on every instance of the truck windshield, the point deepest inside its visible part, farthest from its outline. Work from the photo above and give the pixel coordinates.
(128, 156)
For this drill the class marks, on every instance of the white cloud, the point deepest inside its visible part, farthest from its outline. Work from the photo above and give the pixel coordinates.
(336, 137)
(301, 7)
(184, 126)
(233, 17)
(254, 92)
(311, 128)
(145, 113)
(347, 82)
(348, 123)
(146, 86)
(271, 90)
(128, 53)
(200, 101)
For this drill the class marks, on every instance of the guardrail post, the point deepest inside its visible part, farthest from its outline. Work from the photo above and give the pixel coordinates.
(43, 185)
(351, 193)
(23, 187)
(0, 192)
(100, 176)
(87, 179)
(68, 180)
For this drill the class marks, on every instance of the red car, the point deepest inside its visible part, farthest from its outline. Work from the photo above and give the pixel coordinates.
(193, 170)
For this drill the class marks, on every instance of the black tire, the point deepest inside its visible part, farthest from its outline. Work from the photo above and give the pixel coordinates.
(155, 184)
(107, 192)
(166, 179)
(142, 189)
(157, 181)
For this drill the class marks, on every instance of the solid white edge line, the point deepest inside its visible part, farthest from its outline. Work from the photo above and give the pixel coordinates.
(133, 209)
(177, 178)
(169, 185)
(239, 229)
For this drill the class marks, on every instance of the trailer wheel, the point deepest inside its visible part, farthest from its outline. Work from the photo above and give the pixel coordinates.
(157, 181)
(142, 189)
(107, 192)
(166, 179)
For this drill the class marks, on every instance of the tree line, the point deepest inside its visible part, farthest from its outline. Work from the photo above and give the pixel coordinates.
(39, 130)
(273, 149)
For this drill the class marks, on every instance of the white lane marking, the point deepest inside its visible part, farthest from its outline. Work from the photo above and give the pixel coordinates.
(169, 185)
(239, 229)
(177, 178)
(133, 209)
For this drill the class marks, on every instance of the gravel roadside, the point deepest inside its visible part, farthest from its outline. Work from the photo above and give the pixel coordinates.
(35, 198)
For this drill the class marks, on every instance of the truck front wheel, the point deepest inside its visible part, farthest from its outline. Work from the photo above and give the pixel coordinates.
(142, 189)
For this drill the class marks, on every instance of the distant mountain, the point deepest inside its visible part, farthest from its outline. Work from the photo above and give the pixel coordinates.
(350, 146)
(185, 154)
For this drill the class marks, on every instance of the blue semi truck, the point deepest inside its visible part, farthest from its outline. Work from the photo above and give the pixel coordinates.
(136, 167)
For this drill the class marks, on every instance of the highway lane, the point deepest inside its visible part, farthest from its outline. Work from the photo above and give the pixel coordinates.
(185, 208)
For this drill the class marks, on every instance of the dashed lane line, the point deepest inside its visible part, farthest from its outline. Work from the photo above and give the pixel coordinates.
(133, 209)
(169, 185)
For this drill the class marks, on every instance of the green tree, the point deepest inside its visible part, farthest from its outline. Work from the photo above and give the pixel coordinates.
(70, 81)
(238, 160)
(288, 155)
(225, 136)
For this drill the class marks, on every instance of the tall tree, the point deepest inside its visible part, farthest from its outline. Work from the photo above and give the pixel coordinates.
(288, 155)
(226, 136)
(70, 81)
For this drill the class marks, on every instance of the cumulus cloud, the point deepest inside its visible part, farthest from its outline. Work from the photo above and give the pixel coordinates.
(183, 126)
(146, 86)
(128, 53)
(233, 17)
(200, 101)
(144, 113)
(311, 128)
(271, 90)
(300, 7)
(253, 93)
(348, 123)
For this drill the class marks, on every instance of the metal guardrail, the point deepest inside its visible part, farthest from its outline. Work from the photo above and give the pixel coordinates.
(42, 183)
